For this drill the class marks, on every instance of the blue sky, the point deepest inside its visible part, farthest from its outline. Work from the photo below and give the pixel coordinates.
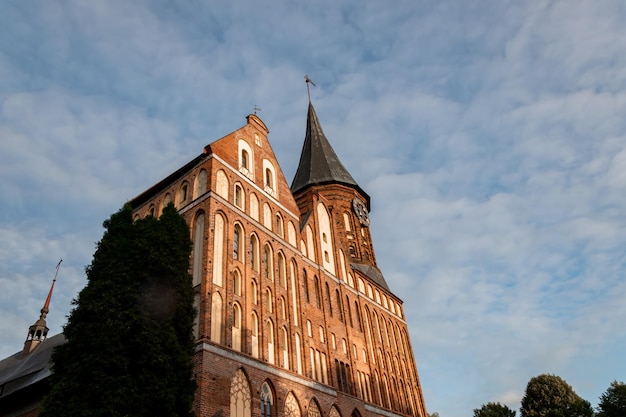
(490, 135)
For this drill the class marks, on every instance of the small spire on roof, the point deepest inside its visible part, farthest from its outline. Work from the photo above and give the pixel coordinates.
(38, 332)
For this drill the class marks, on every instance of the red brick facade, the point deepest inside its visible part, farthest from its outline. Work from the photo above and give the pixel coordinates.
(280, 299)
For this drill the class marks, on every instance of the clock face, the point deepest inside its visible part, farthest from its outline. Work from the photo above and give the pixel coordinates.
(360, 209)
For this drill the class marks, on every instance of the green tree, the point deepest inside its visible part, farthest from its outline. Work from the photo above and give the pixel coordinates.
(613, 401)
(129, 337)
(493, 410)
(550, 396)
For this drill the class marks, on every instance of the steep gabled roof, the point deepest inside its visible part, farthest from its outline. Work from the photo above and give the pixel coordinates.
(319, 163)
(17, 373)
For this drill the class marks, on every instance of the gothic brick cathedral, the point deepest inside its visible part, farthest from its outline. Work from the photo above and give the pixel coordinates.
(295, 318)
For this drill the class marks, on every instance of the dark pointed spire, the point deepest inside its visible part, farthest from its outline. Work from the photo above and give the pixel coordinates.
(319, 163)
(38, 332)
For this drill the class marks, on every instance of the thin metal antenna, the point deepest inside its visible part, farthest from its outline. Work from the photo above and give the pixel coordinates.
(308, 81)
(46, 305)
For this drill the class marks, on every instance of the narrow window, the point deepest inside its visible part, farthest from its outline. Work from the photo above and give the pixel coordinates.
(280, 226)
(244, 159)
(339, 307)
(268, 179)
(237, 282)
(238, 196)
(306, 286)
(269, 262)
(330, 304)
(237, 252)
(269, 300)
(255, 292)
(254, 252)
(282, 270)
(236, 329)
(254, 331)
(318, 295)
(266, 401)
(270, 342)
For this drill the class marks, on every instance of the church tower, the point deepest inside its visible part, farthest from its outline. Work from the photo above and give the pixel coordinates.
(335, 210)
(294, 317)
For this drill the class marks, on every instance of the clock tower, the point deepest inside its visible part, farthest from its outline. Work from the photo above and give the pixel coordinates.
(324, 189)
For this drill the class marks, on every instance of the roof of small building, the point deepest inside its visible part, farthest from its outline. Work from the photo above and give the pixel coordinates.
(17, 373)
(372, 273)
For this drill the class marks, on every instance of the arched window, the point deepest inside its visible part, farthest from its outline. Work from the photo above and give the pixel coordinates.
(269, 300)
(267, 400)
(254, 332)
(216, 318)
(269, 178)
(238, 243)
(166, 201)
(318, 294)
(239, 196)
(291, 233)
(349, 310)
(254, 252)
(306, 286)
(298, 354)
(254, 290)
(240, 395)
(294, 289)
(267, 216)
(330, 304)
(200, 186)
(282, 270)
(339, 306)
(358, 315)
(236, 329)
(314, 409)
(283, 308)
(280, 229)
(246, 160)
(237, 282)
(269, 262)
(221, 184)
(292, 408)
(346, 222)
(198, 248)
(218, 250)
(254, 207)
(183, 194)
(270, 342)
(284, 347)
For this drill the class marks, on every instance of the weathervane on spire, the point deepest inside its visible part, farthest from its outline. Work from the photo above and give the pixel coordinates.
(256, 109)
(308, 81)
(38, 332)
(46, 305)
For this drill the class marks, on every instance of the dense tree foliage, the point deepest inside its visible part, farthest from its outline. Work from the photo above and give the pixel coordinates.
(129, 337)
(494, 410)
(613, 401)
(551, 396)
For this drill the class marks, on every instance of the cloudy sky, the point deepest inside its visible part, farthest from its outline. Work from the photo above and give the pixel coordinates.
(490, 135)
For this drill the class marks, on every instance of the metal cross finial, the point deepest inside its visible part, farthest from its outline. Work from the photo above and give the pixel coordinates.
(256, 109)
(308, 80)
